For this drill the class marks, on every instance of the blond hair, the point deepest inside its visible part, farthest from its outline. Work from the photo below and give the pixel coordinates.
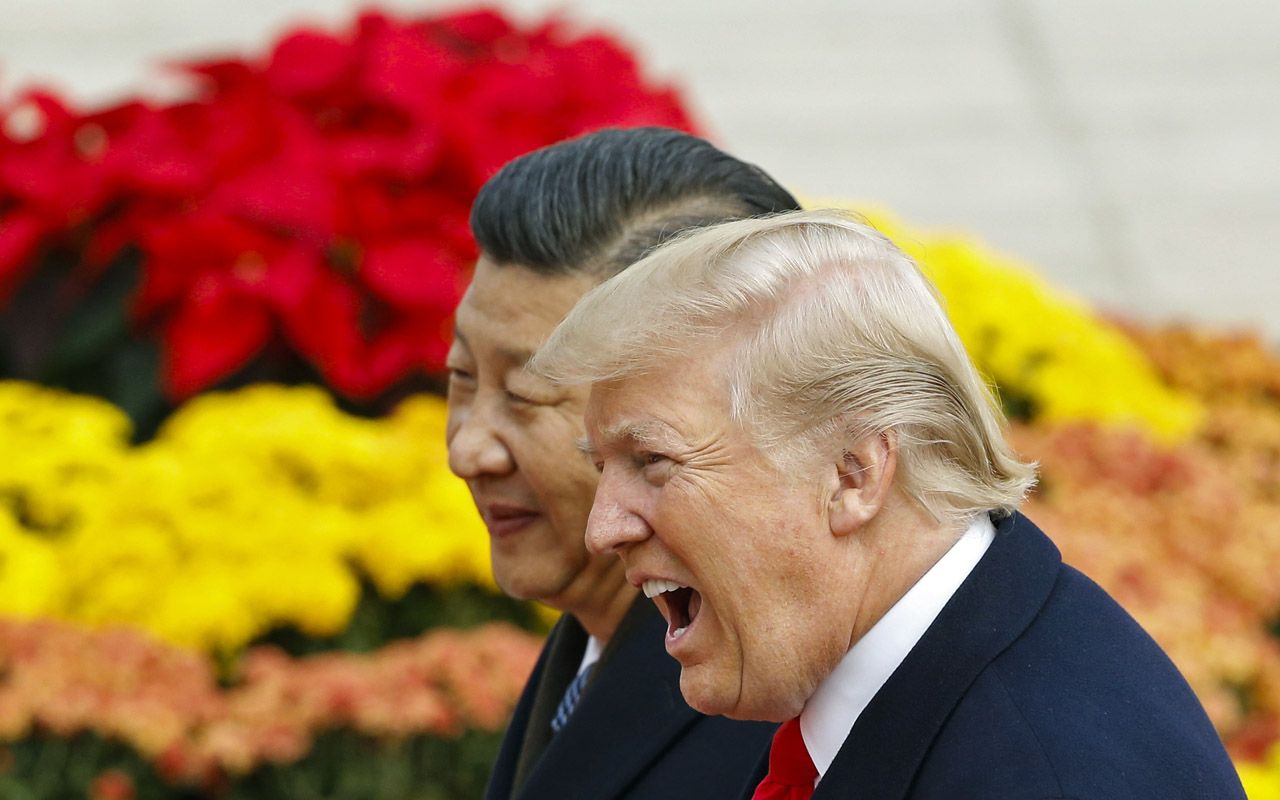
(836, 334)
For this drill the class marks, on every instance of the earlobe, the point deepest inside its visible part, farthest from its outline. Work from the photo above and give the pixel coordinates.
(865, 476)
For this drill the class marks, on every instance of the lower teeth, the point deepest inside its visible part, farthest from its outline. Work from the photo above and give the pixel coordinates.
(679, 632)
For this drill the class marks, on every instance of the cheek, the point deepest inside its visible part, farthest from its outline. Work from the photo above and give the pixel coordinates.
(559, 474)
(545, 443)
(774, 610)
(566, 489)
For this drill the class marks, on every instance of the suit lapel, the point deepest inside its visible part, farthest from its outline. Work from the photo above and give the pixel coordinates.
(502, 778)
(992, 608)
(627, 717)
(522, 745)
(761, 770)
(565, 646)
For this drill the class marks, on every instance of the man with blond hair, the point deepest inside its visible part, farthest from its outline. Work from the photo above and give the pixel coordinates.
(803, 469)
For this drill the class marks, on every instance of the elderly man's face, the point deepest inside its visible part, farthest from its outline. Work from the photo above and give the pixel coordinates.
(686, 498)
(514, 438)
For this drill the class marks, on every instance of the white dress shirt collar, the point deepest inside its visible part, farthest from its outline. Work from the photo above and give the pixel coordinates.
(591, 654)
(831, 712)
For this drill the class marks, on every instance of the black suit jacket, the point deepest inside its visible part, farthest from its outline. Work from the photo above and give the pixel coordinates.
(1031, 684)
(631, 734)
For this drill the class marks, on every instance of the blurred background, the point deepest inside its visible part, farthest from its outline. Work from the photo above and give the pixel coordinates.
(1127, 148)
(233, 562)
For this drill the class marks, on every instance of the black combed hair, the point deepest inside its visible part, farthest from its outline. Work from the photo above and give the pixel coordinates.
(601, 201)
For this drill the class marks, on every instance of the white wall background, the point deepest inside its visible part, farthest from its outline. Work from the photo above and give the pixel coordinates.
(1128, 148)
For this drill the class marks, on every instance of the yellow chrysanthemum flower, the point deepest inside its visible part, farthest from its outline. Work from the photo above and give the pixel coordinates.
(30, 585)
(250, 509)
(1040, 346)
(1262, 780)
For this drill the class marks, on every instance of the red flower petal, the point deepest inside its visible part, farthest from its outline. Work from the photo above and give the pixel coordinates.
(223, 75)
(287, 278)
(214, 333)
(407, 69)
(145, 152)
(484, 26)
(325, 324)
(415, 273)
(280, 196)
(382, 362)
(308, 62)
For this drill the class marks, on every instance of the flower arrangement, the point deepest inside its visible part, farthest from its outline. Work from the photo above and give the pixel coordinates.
(1185, 537)
(307, 208)
(58, 682)
(1190, 553)
(1051, 357)
(300, 218)
(250, 510)
(1182, 535)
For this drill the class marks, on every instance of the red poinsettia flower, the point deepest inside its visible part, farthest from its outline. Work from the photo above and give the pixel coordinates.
(316, 199)
(51, 180)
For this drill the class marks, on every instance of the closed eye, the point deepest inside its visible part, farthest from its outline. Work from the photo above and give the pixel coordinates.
(648, 459)
(526, 401)
(655, 468)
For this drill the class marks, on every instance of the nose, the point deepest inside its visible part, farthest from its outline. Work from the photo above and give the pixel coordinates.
(614, 523)
(476, 447)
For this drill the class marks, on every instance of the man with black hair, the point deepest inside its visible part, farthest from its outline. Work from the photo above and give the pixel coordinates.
(602, 715)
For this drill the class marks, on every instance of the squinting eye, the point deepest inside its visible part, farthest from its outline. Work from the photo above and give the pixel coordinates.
(456, 374)
(649, 459)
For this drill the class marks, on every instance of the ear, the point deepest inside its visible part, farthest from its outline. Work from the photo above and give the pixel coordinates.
(866, 471)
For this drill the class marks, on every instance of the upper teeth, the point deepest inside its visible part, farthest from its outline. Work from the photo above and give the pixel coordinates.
(653, 588)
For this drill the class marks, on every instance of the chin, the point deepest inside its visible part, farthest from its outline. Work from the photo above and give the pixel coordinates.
(541, 585)
(705, 697)
(510, 589)
(518, 586)
(773, 706)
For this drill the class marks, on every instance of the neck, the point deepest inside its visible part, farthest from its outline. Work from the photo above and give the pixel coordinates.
(906, 544)
(602, 622)
(602, 603)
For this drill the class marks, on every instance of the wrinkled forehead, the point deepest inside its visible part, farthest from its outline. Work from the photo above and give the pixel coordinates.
(616, 410)
(667, 404)
(622, 431)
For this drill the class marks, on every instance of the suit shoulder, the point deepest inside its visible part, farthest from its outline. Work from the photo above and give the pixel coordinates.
(990, 748)
(1106, 707)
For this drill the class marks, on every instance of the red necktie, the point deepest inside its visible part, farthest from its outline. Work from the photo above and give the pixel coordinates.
(791, 770)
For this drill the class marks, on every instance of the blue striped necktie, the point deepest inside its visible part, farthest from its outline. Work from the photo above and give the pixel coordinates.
(570, 699)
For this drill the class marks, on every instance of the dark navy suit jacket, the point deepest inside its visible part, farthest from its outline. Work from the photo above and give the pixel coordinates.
(631, 734)
(1031, 684)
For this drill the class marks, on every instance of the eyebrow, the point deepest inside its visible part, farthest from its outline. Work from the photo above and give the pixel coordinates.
(637, 434)
(518, 355)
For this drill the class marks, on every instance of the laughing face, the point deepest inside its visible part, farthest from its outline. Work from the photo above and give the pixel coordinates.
(514, 438)
(760, 596)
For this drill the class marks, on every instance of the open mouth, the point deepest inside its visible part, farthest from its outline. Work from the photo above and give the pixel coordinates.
(679, 604)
